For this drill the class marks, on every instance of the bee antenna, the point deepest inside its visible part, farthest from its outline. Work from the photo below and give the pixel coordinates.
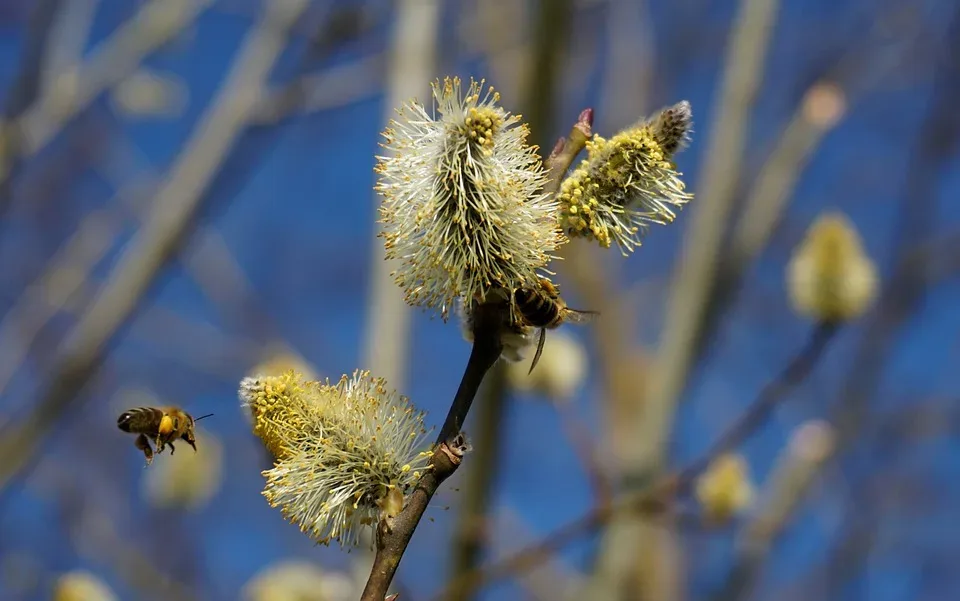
(203, 417)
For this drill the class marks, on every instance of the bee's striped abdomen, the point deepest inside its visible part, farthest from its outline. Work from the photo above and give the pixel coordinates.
(537, 309)
(139, 420)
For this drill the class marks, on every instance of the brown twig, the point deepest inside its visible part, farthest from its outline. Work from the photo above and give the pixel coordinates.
(565, 151)
(476, 490)
(394, 534)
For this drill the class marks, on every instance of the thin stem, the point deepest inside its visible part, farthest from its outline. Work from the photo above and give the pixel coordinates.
(792, 375)
(476, 491)
(393, 536)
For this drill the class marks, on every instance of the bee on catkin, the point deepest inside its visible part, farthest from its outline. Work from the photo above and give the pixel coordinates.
(161, 425)
(542, 307)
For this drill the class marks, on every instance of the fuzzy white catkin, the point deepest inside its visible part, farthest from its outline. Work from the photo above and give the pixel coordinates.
(463, 207)
(339, 449)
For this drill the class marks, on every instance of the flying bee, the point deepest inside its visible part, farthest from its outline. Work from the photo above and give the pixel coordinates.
(542, 308)
(162, 425)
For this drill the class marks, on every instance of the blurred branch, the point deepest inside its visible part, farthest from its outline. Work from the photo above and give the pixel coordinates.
(756, 414)
(499, 31)
(554, 578)
(335, 86)
(811, 445)
(111, 61)
(23, 92)
(473, 523)
(50, 292)
(97, 535)
(412, 63)
(629, 70)
(550, 34)
(580, 439)
(70, 31)
(742, 75)
(694, 277)
(823, 105)
(934, 146)
(172, 210)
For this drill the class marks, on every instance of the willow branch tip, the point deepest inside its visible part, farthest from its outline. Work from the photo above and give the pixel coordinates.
(565, 151)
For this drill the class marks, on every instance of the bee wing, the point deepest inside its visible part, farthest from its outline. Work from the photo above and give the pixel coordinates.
(578, 316)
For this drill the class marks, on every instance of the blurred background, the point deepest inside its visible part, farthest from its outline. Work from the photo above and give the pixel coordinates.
(186, 198)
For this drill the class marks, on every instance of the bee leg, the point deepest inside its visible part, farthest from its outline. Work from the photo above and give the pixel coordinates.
(536, 356)
(143, 443)
(172, 449)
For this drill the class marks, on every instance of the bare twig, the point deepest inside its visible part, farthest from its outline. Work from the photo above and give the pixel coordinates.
(173, 207)
(394, 535)
(472, 526)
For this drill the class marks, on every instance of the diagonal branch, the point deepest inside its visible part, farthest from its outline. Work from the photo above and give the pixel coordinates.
(393, 535)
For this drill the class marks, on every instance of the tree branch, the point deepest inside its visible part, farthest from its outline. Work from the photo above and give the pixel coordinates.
(469, 539)
(394, 534)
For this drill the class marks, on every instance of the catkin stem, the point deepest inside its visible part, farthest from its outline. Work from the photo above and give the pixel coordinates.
(392, 539)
